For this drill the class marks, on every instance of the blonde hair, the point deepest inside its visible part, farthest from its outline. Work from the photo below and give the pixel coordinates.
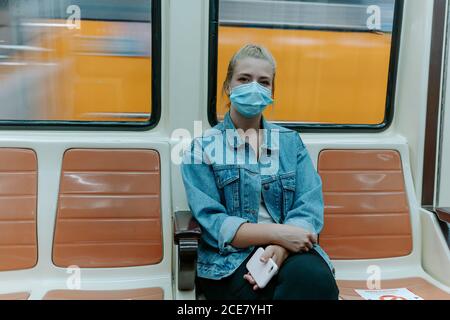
(248, 51)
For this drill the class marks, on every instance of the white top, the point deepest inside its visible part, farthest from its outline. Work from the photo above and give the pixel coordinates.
(263, 214)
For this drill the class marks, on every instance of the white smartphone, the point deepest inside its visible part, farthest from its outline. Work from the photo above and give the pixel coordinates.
(260, 271)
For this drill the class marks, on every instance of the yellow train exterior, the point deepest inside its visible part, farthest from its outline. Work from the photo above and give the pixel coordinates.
(322, 76)
(103, 85)
(328, 76)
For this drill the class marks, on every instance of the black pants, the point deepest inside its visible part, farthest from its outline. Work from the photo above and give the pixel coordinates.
(303, 276)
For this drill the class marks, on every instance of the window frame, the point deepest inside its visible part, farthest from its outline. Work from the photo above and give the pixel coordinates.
(310, 127)
(438, 68)
(73, 125)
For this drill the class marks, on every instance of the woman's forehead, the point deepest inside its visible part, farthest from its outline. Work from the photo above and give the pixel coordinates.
(254, 66)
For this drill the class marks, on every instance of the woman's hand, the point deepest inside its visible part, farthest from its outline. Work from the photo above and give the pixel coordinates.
(293, 238)
(278, 255)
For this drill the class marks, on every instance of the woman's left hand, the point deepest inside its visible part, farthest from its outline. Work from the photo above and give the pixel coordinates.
(278, 255)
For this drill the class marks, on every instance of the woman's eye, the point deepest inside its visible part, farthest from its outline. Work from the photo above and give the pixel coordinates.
(244, 80)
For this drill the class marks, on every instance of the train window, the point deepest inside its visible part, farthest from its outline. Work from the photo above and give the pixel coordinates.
(336, 60)
(68, 63)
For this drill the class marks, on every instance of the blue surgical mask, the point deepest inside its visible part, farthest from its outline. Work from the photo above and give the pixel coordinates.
(251, 99)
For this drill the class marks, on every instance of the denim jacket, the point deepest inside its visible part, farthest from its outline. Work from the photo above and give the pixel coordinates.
(224, 183)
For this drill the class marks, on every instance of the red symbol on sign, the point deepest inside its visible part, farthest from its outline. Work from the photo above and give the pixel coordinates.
(392, 297)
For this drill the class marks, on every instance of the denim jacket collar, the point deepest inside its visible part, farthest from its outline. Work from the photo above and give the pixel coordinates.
(269, 142)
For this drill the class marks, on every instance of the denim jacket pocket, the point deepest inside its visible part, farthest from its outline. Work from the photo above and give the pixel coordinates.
(288, 185)
(228, 184)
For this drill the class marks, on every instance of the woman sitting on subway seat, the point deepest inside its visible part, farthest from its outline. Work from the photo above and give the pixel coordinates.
(252, 184)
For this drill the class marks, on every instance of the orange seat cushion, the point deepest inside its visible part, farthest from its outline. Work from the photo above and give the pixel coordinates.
(366, 207)
(109, 209)
(133, 294)
(18, 190)
(418, 286)
(15, 296)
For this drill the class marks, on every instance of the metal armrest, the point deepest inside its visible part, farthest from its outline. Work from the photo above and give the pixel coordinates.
(443, 214)
(443, 217)
(187, 233)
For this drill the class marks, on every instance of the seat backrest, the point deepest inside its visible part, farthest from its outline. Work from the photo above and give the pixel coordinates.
(18, 190)
(366, 207)
(109, 209)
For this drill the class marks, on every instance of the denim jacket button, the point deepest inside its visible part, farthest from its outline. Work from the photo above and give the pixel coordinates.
(266, 187)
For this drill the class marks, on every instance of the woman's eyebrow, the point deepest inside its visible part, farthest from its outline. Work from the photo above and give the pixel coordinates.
(244, 75)
(248, 75)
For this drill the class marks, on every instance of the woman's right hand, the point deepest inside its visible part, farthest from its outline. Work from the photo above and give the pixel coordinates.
(293, 238)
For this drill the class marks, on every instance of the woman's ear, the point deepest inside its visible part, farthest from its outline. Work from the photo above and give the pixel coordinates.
(273, 86)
